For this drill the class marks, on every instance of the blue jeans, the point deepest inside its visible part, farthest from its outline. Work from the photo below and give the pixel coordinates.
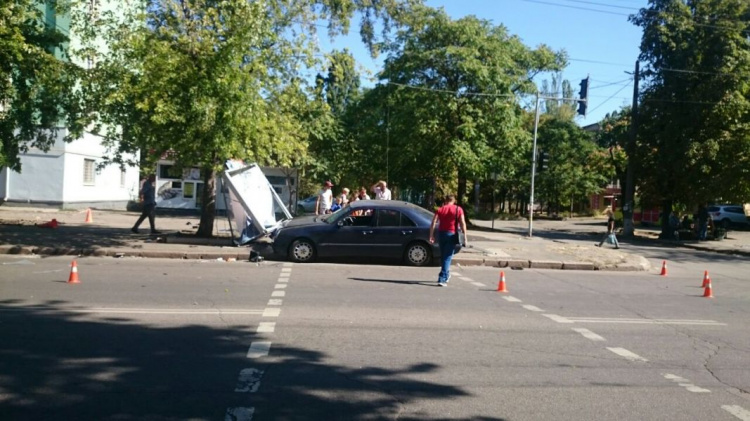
(703, 233)
(447, 249)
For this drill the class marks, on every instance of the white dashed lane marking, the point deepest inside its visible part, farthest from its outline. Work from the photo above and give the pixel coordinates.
(258, 349)
(239, 414)
(465, 279)
(478, 284)
(645, 321)
(275, 301)
(271, 312)
(737, 411)
(280, 286)
(248, 380)
(686, 384)
(266, 327)
(287, 265)
(283, 280)
(532, 308)
(286, 270)
(588, 334)
(558, 319)
(512, 299)
(628, 355)
(278, 294)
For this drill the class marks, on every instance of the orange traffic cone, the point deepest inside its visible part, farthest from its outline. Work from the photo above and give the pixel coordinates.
(73, 278)
(663, 268)
(501, 284)
(709, 292)
(89, 216)
(706, 279)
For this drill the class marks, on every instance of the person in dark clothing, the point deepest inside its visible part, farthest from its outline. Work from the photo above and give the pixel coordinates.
(610, 230)
(148, 200)
(702, 222)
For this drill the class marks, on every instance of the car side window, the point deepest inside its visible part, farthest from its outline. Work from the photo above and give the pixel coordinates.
(406, 222)
(735, 209)
(362, 217)
(389, 218)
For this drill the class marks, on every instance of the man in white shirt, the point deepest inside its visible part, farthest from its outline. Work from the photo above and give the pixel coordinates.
(381, 191)
(325, 199)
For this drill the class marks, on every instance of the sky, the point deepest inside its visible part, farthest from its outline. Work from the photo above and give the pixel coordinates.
(600, 41)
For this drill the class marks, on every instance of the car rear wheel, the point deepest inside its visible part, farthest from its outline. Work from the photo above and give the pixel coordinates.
(302, 251)
(418, 254)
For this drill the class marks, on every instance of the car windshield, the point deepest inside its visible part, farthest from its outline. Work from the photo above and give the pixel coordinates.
(333, 218)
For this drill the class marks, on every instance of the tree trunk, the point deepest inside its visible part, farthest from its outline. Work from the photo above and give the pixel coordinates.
(665, 211)
(208, 204)
(461, 190)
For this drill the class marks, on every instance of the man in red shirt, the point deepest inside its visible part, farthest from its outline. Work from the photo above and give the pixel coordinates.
(447, 216)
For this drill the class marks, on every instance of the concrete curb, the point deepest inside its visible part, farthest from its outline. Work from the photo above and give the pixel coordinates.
(244, 255)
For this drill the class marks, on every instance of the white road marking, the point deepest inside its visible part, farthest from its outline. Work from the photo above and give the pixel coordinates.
(285, 275)
(266, 327)
(628, 355)
(278, 294)
(280, 286)
(512, 299)
(463, 278)
(676, 378)
(248, 380)
(558, 319)
(239, 414)
(645, 321)
(288, 265)
(693, 388)
(284, 280)
(286, 270)
(175, 311)
(588, 334)
(532, 308)
(456, 273)
(737, 411)
(275, 301)
(258, 349)
(271, 312)
(478, 284)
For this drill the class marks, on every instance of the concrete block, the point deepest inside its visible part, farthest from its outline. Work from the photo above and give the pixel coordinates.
(578, 266)
(545, 264)
(468, 261)
(518, 264)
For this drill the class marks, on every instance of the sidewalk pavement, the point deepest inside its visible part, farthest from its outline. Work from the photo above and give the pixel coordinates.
(554, 245)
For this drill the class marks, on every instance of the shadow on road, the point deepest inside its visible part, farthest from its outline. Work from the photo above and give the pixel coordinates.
(392, 281)
(54, 360)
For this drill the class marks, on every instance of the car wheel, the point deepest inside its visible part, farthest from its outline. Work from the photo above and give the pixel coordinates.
(726, 223)
(418, 254)
(302, 251)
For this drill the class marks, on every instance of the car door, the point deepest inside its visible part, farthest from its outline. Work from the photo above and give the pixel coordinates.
(390, 237)
(352, 235)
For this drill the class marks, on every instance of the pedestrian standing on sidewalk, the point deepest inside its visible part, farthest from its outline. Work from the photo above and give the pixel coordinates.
(703, 217)
(148, 201)
(325, 199)
(610, 235)
(447, 218)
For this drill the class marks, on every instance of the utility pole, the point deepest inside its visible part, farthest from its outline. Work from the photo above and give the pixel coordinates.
(533, 167)
(629, 205)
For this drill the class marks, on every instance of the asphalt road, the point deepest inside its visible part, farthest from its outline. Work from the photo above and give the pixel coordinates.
(152, 339)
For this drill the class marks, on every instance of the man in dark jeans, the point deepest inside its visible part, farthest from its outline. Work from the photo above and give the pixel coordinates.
(148, 200)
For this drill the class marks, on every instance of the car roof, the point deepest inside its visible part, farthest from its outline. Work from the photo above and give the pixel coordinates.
(376, 204)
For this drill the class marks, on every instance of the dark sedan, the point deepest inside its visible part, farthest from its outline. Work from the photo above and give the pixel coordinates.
(365, 228)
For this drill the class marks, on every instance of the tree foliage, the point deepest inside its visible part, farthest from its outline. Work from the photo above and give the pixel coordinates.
(37, 93)
(694, 121)
(209, 80)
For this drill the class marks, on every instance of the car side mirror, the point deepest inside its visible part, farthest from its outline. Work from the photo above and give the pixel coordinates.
(341, 223)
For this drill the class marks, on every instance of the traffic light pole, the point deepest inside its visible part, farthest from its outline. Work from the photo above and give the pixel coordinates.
(533, 168)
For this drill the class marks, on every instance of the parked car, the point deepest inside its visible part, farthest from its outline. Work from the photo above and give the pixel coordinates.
(728, 215)
(365, 228)
(307, 205)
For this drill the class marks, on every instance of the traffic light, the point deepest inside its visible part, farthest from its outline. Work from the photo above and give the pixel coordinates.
(582, 97)
(543, 161)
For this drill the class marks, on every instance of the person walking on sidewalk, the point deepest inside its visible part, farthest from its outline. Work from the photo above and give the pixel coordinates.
(448, 216)
(610, 235)
(148, 200)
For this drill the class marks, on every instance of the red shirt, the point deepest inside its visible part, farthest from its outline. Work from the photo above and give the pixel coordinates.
(447, 217)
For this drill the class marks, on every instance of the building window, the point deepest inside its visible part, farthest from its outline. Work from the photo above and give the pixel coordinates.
(89, 170)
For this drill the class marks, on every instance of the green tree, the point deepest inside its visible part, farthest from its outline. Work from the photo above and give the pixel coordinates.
(208, 80)
(36, 87)
(694, 119)
(449, 89)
